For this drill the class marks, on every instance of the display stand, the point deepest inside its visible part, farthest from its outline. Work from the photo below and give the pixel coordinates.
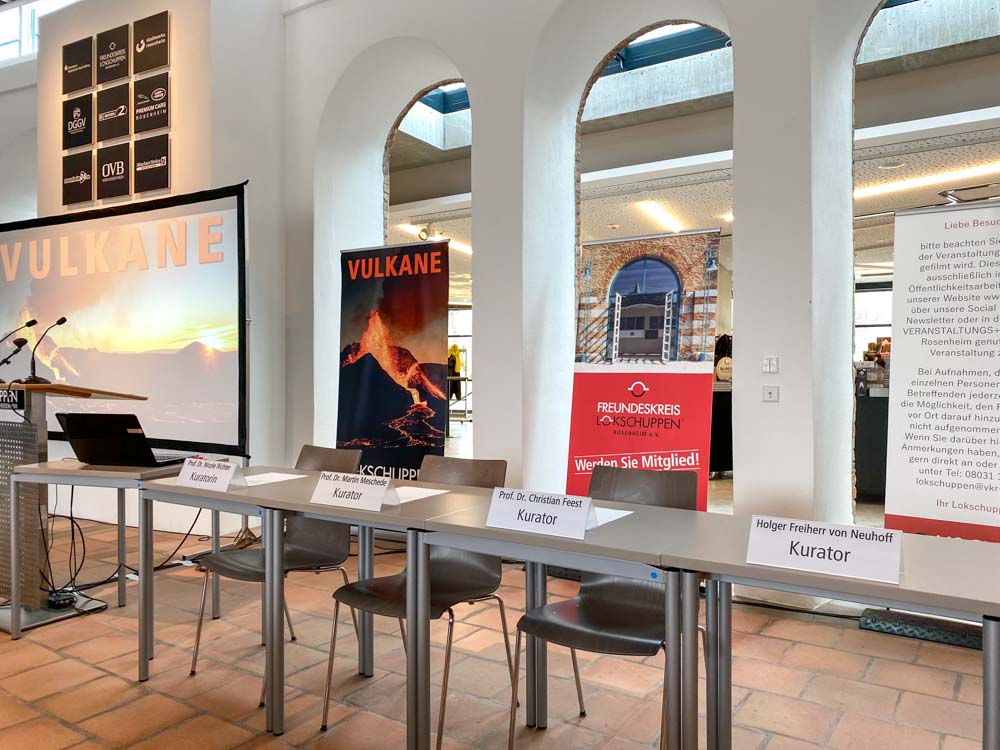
(24, 440)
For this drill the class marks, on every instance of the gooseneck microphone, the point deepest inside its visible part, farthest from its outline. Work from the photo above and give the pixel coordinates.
(29, 324)
(19, 344)
(33, 379)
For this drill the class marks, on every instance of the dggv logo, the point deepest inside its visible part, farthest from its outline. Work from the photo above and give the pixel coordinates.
(78, 124)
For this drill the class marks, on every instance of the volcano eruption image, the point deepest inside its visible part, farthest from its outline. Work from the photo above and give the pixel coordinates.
(393, 376)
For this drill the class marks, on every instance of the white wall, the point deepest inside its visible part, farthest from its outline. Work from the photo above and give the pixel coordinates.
(226, 127)
(792, 120)
(18, 118)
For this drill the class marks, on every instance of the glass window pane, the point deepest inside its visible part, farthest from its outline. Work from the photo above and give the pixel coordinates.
(873, 308)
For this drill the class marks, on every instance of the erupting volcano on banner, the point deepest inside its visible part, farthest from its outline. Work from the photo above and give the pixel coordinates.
(393, 359)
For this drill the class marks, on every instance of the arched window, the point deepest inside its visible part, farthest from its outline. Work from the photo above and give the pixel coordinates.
(428, 169)
(643, 304)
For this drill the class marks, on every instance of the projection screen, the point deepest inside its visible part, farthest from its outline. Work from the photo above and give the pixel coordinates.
(155, 299)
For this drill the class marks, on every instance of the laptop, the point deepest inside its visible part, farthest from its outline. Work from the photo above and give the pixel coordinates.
(113, 440)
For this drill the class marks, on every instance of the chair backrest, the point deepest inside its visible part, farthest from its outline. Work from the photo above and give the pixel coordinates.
(471, 472)
(665, 489)
(330, 542)
(317, 458)
(483, 571)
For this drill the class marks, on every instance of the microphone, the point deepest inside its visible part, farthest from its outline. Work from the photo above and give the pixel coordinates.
(33, 379)
(20, 344)
(29, 324)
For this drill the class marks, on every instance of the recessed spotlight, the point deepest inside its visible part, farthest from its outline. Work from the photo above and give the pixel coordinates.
(614, 227)
(892, 164)
(728, 217)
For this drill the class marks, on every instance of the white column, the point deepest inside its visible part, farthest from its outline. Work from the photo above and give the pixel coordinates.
(793, 254)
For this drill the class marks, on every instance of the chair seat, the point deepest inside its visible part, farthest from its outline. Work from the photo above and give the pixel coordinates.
(596, 627)
(248, 564)
(386, 596)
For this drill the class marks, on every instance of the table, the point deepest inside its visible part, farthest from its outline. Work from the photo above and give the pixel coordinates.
(629, 547)
(274, 501)
(76, 474)
(941, 577)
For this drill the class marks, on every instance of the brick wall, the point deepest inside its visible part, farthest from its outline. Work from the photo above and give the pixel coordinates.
(687, 254)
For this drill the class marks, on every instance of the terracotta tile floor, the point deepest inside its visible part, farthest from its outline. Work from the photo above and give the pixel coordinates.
(802, 680)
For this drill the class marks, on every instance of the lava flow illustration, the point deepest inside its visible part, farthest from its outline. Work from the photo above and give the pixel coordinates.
(393, 400)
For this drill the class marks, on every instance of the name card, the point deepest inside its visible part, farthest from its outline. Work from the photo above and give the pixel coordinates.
(541, 513)
(354, 491)
(848, 551)
(220, 476)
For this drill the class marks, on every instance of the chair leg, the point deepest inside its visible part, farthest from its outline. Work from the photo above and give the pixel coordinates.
(704, 640)
(513, 692)
(354, 615)
(329, 666)
(506, 635)
(201, 618)
(444, 678)
(263, 690)
(402, 632)
(579, 686)
(288, 618)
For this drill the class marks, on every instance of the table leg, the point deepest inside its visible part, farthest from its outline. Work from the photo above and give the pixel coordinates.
(991, 683)
(712, 663)
(266, 595)
(418, 673)
(536, 651)
(216, 589)
(145, 585)
(724, 670)
(671, 723)
(275, 572)
(366, 621)
(122, 557)
(15, 561)
(691, 602)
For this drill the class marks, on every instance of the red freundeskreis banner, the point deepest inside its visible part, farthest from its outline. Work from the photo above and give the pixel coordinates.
(637, 418)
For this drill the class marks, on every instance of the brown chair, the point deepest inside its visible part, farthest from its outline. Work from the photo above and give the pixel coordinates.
(610, 615)
(310, 544)
(456, 576)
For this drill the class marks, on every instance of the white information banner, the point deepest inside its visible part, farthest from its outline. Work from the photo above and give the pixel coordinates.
(354, 491)
(210, 475)
(847, 551)
(943, 469)
(541, 513)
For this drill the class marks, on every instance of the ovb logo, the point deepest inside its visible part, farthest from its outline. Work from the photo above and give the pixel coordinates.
(113, 169)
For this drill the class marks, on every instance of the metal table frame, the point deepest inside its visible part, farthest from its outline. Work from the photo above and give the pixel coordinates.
(273, 626)
(681, 622)
(719, 603)
(17, 478)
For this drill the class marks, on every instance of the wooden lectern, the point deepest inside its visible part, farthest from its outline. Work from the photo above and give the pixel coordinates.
(24, 439)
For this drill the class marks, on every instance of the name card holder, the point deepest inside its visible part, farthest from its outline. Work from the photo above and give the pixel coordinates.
(568, 516)
(847, 551)
(220, 476)
(354, 491)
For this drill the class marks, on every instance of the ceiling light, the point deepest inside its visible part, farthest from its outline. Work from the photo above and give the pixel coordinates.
(409, 229)
(422, 233)
(728, 217)
(895, 164)
(957, 175)
(659, 214)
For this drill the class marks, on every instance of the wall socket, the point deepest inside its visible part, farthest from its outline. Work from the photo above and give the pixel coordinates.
(771, 394)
